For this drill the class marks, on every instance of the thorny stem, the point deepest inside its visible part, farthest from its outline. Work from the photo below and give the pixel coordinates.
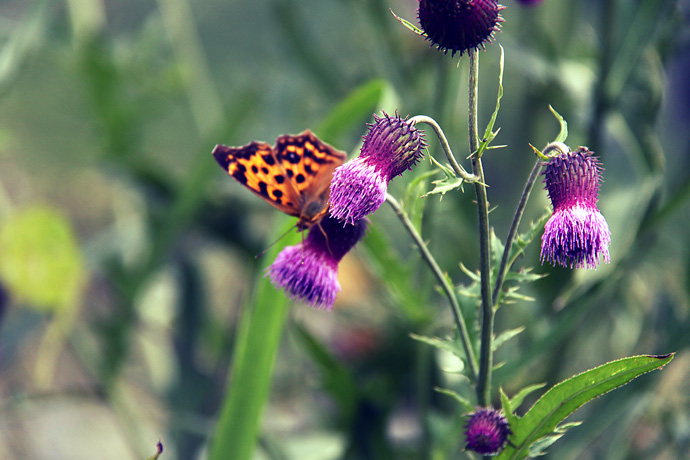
(459, 170)
(447, 288)
(485, 353)
(513, 228)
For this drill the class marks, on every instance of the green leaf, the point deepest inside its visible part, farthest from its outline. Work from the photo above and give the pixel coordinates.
(504, 336)
(451, 182)
(451, 346)
(506, 406)
(524, 239)
(564, 398)
(408, 24)
(563, 134)
(520, 396)
(464, 402)
(41, 263)
(256, 348)
(489, 133)
(538, 448)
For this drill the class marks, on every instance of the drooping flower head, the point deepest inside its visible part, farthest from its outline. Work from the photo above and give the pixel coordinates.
(392, 146)
(459, 25)
(486, 431)
(577, 234)
(309, 271)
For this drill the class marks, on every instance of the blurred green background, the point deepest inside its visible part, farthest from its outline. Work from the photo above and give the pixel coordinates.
(127, 255)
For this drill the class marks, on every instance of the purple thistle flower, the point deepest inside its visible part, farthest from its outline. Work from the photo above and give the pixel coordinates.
(309, 271)
(577, 234)
(392, 145)
(459, 25)
(486, 431)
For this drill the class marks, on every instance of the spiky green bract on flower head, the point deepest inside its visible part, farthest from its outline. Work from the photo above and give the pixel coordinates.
(461, 25)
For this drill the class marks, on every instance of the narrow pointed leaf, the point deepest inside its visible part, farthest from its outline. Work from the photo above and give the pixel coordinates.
(489, 133)
(564, 398)
(464, 402)
(409, 25)
(504, 336)
(520, 396)
(453, 347)
(451, 182)
(563, 134)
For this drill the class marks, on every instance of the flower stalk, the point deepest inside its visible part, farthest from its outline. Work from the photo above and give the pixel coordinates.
(442, 279)
(503, 269)
(483, 387)
(457, 168)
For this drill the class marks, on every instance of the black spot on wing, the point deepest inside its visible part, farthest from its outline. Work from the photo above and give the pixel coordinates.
(263, 189)
(291, 157)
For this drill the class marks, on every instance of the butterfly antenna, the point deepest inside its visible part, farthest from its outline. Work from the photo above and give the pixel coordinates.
(302, 262)
(274, 242)
(325, 236)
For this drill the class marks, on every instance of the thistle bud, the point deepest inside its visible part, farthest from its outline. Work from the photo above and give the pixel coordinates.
(486, 431)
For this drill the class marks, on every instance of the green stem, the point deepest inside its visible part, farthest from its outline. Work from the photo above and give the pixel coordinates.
(513, 229)
(459, 170)
(485, 353)
(445, 284)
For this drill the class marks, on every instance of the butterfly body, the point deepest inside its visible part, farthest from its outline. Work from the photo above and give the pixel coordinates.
(294, 176)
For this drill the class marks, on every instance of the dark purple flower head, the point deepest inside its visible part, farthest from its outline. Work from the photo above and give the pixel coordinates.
(577, 234)
(459, 25)
(392, 146)
(486, 431)
(309, 271)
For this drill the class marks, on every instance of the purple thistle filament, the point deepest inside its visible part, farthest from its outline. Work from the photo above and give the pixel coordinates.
(309, 271)
(576, 235)
(486, 431)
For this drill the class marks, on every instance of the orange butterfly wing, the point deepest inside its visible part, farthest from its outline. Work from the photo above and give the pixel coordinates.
(294, 176)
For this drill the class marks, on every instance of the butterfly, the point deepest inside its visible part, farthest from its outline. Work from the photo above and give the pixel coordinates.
(294, 176)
